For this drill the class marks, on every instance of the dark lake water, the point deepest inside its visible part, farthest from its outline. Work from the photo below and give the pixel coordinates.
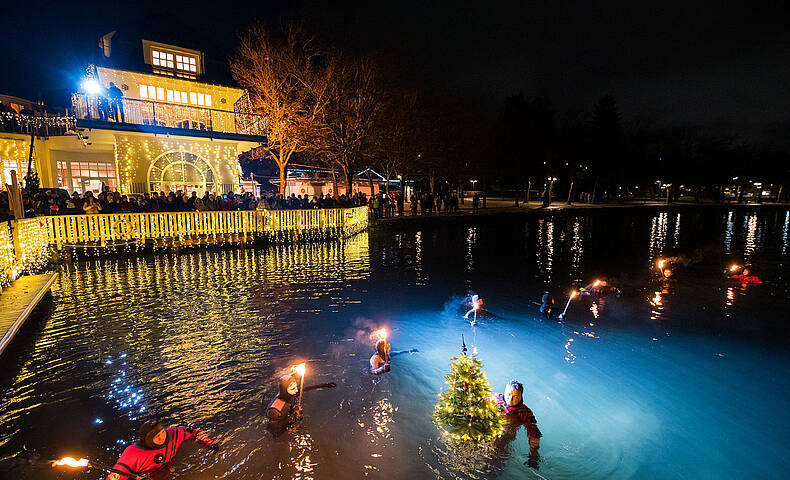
(678, 378)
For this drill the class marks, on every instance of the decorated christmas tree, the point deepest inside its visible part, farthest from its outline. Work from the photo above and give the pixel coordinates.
(465, 410)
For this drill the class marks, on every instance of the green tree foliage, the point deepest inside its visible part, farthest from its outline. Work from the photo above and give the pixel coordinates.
(465, 410)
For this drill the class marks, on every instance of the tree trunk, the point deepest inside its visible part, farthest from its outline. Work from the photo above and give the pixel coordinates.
(370, 181)
(349, 181)
(387, 187)
(283, 168)
(432, 180)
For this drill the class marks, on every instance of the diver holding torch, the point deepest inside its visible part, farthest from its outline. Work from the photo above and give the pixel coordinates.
(156, 446)
(282, 412)
(476, 303)
(381, 360)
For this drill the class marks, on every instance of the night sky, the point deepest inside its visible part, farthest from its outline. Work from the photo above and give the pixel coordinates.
(686, 63)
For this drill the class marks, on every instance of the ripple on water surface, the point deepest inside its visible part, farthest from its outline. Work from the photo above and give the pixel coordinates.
(664, 381)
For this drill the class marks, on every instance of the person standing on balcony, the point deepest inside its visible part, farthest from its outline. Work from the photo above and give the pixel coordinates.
(116, 104)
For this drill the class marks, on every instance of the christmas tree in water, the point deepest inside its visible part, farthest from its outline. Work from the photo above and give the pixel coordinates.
(465, 410)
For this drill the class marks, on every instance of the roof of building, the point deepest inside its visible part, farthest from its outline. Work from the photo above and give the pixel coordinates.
(126, 48)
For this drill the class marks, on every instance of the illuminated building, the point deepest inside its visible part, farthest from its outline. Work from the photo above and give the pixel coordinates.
(166, 128)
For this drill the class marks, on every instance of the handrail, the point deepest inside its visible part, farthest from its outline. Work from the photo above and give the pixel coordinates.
(166, 114)
(39, 125)
(106, 229)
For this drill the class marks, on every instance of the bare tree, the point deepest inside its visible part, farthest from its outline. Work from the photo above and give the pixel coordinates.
(350, 116)
(395, 142)
(286, 78)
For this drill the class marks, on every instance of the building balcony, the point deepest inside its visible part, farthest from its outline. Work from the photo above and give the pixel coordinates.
(40, 125)
(162, 117)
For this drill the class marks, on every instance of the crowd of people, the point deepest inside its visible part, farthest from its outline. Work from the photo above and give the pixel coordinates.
(50, 202)
(381, 205)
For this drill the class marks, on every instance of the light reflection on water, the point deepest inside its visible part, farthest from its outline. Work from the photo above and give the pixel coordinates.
(628, 387)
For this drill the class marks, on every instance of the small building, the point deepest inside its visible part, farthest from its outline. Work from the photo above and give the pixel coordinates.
(143, 122)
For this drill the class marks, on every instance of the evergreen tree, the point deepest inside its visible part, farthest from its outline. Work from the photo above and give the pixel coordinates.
(465, 410)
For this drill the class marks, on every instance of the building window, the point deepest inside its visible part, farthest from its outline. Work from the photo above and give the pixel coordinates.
(90, 175)
(19, 166)
(202, 99)
(63, 174)
(158, 93)
(186, 63)
(162, 59)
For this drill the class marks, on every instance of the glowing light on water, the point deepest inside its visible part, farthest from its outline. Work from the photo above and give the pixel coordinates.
(728, 232)
(751, 236)
(785, 232)
(656, 300)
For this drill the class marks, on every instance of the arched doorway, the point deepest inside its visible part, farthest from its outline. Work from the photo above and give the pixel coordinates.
(185, 171)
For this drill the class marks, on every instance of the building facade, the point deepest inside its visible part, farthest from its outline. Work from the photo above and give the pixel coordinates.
(160, 128)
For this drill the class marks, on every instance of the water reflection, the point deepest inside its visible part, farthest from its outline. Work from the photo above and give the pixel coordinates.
(728, 233)
(545, 252)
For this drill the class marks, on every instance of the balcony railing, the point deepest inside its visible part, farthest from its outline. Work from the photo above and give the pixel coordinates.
(40, 125)
(162, 114)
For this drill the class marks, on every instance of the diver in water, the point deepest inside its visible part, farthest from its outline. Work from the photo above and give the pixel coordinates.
(381, 360)
(283, 410)
(547, 308)
(742, 274)
(157, 446)
(600, 288)
(513, 408)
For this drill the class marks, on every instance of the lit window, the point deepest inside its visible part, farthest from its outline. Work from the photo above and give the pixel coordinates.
(183, 97)
(160, 93)
(208, 100)
(201, 99)
(143, 91)
(170, 96)
(192, 98)
(151, 92)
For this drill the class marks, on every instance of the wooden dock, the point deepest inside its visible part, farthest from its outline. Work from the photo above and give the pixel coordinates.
(18, 301)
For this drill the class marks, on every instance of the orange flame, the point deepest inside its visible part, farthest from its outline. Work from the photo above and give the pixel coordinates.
(381, 333)
(300, 369)
(574, 293)
(478, 304)
(597, 282)
(71, 462)
(661, 264)
(734, 267)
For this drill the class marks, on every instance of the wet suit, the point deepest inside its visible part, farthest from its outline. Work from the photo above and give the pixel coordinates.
(380, 361)
(139, 459)
(283, 410)
(521, 415)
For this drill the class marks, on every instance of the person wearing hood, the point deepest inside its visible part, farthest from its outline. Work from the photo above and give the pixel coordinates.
(381, 360)
(547, 306)
(283, 410)
(518, 414)
(157, 445)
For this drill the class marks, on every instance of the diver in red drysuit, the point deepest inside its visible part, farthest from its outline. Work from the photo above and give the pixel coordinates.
(157, 446)
(513, 407)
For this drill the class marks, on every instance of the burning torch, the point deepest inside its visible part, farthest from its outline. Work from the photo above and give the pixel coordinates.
(84, 462)
(300, 369)
(571, 297)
